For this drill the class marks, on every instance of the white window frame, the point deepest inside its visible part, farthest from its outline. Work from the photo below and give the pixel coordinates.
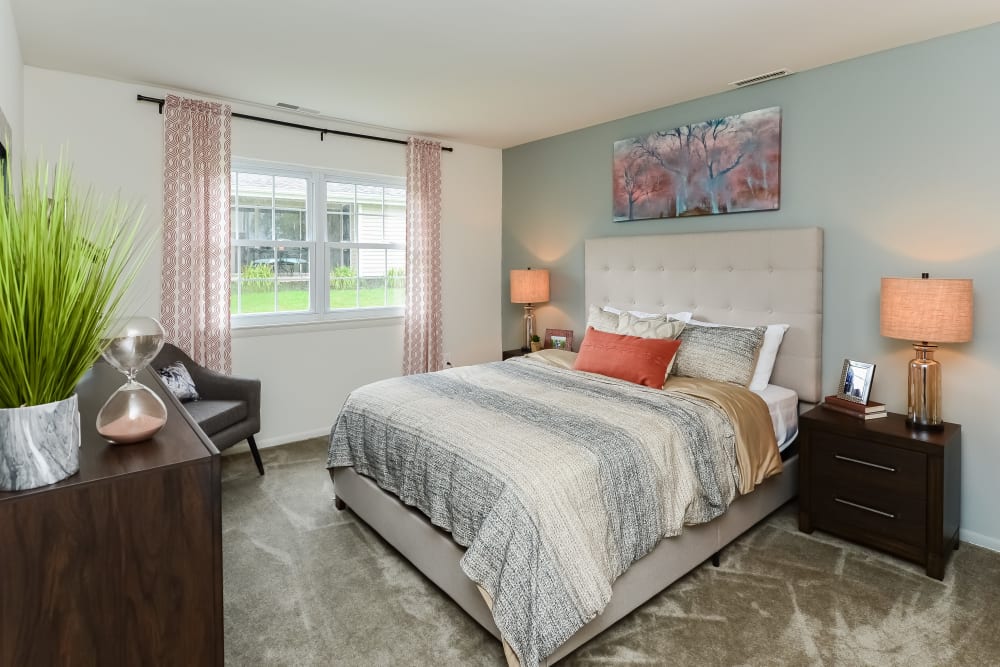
(318, 246)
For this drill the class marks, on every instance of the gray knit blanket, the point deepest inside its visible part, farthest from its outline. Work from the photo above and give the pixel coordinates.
(555, 481)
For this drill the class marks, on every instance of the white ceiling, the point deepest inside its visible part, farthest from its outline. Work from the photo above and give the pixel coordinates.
(490, 73)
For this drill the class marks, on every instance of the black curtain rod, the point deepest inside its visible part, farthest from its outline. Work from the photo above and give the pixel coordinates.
(322, 130)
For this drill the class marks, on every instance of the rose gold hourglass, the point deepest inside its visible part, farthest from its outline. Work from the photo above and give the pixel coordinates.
(133, 413)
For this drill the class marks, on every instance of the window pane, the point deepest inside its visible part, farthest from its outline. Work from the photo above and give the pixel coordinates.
(340, 209)
(254, 224)
(371, 275)
(395, 215)
(395, 230)
(255, 190)
(396, 277)
(370, 228)
(343, 279)
(293, 279)
(234, 280)
(290, 192)
(370, 199)
(290, 225)
(257, 279)
(338, 225)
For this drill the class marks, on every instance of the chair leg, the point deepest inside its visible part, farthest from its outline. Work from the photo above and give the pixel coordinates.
(255, 453)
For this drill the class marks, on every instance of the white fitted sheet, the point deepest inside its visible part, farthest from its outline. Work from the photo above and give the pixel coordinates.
(783, 404)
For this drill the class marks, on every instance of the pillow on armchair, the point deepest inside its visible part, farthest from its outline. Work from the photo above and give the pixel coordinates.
(179, 382)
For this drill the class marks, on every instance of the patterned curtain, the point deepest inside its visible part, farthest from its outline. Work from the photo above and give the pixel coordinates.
(422, 323)
(194, 283)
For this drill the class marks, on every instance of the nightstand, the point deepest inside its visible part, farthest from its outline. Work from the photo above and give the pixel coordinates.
(507, 354)
(882, 484)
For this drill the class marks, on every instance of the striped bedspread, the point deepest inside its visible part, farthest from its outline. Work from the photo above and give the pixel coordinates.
(555, 481)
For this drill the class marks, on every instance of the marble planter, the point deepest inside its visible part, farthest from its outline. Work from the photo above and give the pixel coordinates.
(39, 444)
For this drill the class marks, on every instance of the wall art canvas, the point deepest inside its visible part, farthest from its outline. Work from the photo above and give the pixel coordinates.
(726, 165)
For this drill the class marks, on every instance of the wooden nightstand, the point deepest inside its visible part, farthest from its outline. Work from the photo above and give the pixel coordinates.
(882, 484)
(507, 354)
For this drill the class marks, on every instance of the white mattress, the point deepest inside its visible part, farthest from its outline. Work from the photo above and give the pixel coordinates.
(783, 404)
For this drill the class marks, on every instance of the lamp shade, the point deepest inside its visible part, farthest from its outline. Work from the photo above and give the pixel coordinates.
(529, 286)
(934, 310)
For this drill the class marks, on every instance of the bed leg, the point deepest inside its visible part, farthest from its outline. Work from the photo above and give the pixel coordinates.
(715, 558)
(338, 503)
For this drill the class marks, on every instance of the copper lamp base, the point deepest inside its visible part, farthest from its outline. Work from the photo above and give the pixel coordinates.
(923, 400)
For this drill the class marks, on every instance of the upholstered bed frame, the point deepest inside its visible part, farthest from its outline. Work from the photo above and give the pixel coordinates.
(745, 277)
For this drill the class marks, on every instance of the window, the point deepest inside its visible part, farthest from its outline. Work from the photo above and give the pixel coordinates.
(310, 245)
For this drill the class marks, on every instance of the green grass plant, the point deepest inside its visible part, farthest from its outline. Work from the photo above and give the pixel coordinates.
(66, 261)
(298, 299)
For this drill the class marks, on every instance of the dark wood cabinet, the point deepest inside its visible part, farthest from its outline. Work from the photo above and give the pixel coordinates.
(882, 484)
(509, 354)
(121, 564)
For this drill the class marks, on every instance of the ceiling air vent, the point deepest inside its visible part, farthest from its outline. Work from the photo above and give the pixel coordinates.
(761, 78)
(296, 107)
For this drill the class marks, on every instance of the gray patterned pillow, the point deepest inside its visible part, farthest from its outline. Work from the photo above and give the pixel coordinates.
(660, 326)
(179, 382)
(602, 320)
(725, 354)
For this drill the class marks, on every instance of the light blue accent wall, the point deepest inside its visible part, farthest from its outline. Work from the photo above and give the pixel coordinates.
(895, 155)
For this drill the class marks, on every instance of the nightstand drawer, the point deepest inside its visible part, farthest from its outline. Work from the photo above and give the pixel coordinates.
(857, 464)
(870, 513)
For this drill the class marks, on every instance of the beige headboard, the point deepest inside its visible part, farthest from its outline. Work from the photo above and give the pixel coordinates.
(768, 276)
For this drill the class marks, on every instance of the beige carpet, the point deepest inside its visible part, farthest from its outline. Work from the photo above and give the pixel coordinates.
(308, 585)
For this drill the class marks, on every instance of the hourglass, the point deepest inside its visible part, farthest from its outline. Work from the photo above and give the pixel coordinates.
(133, 413)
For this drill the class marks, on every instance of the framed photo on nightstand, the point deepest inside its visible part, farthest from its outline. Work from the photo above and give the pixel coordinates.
(856, 381)
(559, 339)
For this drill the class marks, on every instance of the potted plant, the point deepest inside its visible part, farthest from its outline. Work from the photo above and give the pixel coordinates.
(536, 343)
(65, 263)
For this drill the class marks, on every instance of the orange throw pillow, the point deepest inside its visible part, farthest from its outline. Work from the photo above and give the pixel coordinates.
(639, 360)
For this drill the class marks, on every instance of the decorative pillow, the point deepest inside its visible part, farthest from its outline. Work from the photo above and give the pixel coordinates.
(684, 316)
(179, 382)
(640, 360)
(657, 326)
(725, 354)
(768, 352)
(602, 320)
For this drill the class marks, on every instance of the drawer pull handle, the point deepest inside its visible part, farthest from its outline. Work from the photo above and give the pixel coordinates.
(865, 508)
(864, 463)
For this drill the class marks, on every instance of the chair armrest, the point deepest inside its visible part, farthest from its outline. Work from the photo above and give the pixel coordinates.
(216, 386)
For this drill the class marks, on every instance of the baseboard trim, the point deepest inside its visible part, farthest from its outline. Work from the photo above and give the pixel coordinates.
(277, 440)
(979, 540)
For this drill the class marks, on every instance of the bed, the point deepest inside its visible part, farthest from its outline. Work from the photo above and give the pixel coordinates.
(739, 278)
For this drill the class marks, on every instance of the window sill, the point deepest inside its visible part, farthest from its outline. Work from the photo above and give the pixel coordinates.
(270, 328)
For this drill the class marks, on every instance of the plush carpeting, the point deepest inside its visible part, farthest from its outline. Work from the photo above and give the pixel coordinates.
(308, 585)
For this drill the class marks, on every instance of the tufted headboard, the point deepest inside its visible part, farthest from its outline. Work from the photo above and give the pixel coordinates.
(768, 276)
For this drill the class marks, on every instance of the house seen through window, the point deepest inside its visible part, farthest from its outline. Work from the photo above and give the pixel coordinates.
(308, 245)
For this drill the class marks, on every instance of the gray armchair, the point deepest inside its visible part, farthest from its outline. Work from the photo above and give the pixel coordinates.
(228, 410)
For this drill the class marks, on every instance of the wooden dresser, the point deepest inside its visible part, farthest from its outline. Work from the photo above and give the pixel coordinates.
(883, 484)
(121, 564)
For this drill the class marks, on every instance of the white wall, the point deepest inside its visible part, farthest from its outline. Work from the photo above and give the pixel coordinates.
(11, 74)
(306, 371)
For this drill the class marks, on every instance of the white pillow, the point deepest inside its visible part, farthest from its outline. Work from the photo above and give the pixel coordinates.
(683, 316)
(765, 358)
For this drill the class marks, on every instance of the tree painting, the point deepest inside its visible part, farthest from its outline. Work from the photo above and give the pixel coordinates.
(726, 165)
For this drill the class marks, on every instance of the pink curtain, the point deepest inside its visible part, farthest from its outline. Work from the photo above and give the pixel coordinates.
(422, 323)
(194, 283)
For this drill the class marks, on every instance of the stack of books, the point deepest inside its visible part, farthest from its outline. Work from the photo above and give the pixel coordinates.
(870, 410)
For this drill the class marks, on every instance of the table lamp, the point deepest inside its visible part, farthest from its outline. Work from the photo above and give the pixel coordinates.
(529, 287)
(929, 310)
